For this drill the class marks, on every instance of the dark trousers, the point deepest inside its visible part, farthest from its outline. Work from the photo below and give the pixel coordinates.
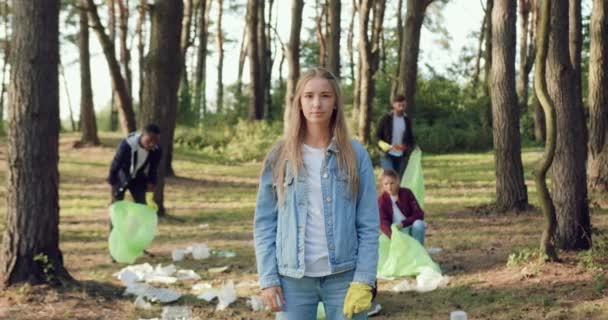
(137, 187)
(397, 164)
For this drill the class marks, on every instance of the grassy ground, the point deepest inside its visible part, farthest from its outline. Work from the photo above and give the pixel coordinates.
(476, 245)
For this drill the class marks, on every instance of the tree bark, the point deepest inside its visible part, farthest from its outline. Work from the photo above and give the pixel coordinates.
(349, 41)
(369, 51)
(185, 97)
(522, 79)
(162, 70)
(141, 43)
(511, 191)
(200, 96)
(321, 12)
(6, 50)
(219, 39)
(256, 104)
(547, 243)
(127, 116)
(263, 73)
(88, 124)
(408, 68)
(482, 34)
(575, 47)
(125, 53)
(333, 37)
(30, 246)
(598, 105)
(292, 53)
(242, 56)
(568, 169)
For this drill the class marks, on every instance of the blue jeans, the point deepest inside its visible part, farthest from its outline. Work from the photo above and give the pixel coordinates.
(303, 295)
(397, 164)
(416, 230)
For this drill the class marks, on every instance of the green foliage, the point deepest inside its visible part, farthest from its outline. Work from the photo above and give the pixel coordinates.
(524, 256)
(596, 258)
(216, 139)
(599, 282)
(46, 265)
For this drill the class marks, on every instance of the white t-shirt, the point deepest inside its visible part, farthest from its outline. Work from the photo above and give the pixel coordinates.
(142, 155)
(397, 137)
(398, 216)
(316, 254)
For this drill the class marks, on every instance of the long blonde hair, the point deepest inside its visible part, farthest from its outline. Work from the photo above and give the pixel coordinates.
(291, 147)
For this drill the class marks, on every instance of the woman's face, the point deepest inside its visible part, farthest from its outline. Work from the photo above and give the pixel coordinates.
(318, 101)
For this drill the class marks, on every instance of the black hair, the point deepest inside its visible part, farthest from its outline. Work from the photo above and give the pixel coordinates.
(390, 173)
(152, 128)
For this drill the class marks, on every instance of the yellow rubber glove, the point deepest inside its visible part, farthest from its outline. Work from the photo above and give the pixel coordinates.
(150, 201)
(384, 146)
(358, 299)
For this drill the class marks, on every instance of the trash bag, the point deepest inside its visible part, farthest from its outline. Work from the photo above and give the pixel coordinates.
(413, 178)
(320, 311)
(402, 256)
(133, 229)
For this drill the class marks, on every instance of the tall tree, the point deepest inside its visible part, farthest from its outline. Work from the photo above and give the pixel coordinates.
(256, 105)
(112, 34)
(219, 40)
(125, 52)
(525, 65)
(292, 52)
(349, 40)
(242, 57)
(568, 169)
(88, 124)
(408, 67)
(264, 54)
(141, 44)
(200, 96)
(162, 70)
(547, 244)
(598, 103)
(30, 246)
(127, 116)
(369, 51)
(511, 193)
(333, 37)
(321, 13)
(575, 37)
(5, 52)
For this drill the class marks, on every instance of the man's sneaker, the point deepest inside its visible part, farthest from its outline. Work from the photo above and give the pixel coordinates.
(376, 307)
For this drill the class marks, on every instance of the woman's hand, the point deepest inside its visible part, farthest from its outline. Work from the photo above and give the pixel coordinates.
(273, 298)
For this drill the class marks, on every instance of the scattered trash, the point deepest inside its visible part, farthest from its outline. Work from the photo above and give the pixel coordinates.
(140, 303)
(224, 253)
(201, 287)
(433, 250)
(203, 226)
(404, 286)
(208, 295)
(200, 251)
(247, 283)
(458, 315)
(178, 254)
(153, 294)
(429, 280)
(256, 303)
(226, 295)
(219, 269)
(186, 275)
(176, 313)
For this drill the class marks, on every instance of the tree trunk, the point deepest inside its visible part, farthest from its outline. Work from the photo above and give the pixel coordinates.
(125, 53)
(539, 116)
(333, 37)
(408, 68)
(127, 116)
(163, 64)
(547, 243)
(482, 34)
(220, 59)
(30, 246)
(242, 56)
(321, 12)
(292, 52)
(349, 41)
(486, 116)
(140, 31)
(568, 169)
(256, 104)
(200, 96)
(6, 22)
(522, 79)
(575, 47)
(263, 58)
(88, 124)
(511, 192)
(185, 98)
(598, 105)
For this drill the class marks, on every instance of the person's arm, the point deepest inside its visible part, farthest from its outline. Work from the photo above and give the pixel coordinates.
(385, 146)
(367, 222)
(414, 211)
(385, 217)
(410, 140)
(117, 177)
(155, 157)
(265, 229)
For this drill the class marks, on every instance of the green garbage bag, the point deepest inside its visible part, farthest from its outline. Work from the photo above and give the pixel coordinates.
(402, 256)
(134, 228)
(120, 251)
(413, 178)
(320, 311)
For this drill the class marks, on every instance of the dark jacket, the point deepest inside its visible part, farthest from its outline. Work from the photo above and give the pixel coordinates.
(385, 130)
(406, 201)
(122, 170)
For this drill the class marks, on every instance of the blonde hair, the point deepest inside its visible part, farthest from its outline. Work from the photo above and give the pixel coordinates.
(290, 149)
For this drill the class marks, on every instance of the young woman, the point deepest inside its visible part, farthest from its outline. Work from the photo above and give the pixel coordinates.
(316, 219)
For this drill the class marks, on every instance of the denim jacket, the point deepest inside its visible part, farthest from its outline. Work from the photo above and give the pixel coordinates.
(351, 223)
